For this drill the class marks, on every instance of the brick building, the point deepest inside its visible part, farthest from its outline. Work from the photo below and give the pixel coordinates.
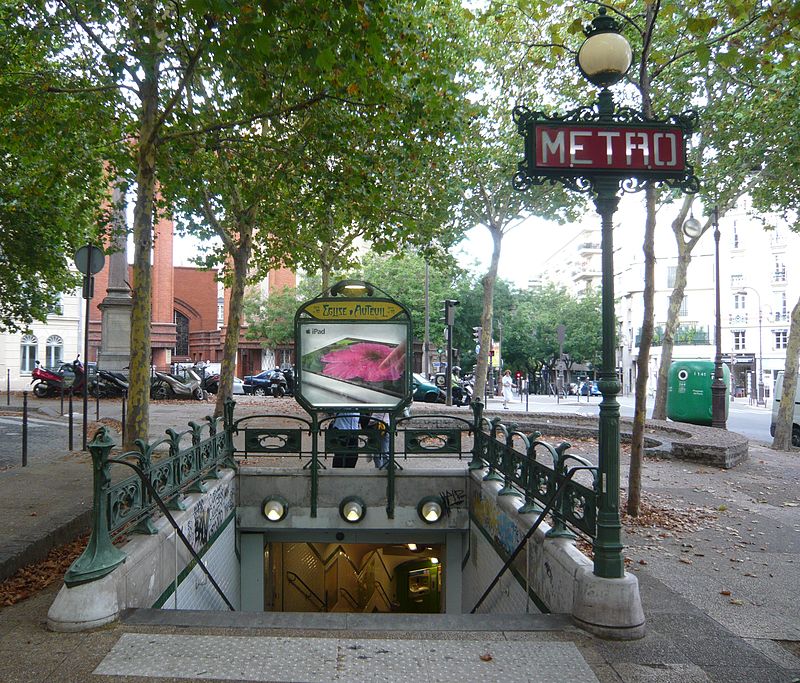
(189, 310)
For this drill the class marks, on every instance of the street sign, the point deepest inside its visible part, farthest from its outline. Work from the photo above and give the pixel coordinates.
(89, 259)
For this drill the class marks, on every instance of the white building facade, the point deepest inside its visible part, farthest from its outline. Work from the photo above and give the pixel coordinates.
(57, 340)
(757, 293)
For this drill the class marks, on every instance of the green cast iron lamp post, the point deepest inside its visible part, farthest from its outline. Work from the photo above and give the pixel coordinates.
(604, 58)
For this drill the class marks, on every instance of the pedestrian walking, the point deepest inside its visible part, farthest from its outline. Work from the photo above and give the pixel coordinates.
(508, 394)
(346, 421)
(380, 422)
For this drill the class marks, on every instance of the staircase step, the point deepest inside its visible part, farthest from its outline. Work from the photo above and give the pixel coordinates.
(377, 622)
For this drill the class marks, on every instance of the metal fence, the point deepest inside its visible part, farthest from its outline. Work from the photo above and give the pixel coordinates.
(168, 468)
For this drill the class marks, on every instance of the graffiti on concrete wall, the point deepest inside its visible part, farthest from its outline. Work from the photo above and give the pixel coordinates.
(496, 524)
(209, 514)
(453, 498)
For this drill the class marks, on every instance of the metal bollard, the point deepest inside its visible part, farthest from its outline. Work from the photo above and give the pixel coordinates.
(24, 428)
(70, 421)
(62, 400)
(124, 396)
(97, 407)
(8, 387)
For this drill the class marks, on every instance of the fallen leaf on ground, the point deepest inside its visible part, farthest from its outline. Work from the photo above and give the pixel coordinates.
(486, 658)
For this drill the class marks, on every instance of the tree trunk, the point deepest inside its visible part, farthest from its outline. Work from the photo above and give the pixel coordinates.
(487, 315)
(241, 258)
(137, 422)
(673, 315)
(642, 360)
(783, 427)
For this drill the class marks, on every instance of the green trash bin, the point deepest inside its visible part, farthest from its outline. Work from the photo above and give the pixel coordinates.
(689, 391)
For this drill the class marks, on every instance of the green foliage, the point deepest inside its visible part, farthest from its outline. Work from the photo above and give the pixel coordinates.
(271, 318)
(50, 176)
(403, 278)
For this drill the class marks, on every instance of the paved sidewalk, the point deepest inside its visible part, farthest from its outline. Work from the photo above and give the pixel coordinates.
(717, 555)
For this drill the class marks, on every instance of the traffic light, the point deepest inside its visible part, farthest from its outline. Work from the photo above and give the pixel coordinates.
(449, 317)
(476, 334)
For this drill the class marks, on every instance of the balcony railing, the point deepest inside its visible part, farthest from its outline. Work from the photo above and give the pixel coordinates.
(684, 336)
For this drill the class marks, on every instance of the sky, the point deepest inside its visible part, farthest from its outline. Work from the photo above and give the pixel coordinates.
(524, 250)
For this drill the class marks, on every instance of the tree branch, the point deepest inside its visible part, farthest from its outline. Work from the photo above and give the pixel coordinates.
(249, 120)
(96, 40)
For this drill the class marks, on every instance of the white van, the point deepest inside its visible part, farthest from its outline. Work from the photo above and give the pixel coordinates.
(776, 406)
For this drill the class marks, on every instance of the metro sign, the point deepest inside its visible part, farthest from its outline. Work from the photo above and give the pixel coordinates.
(583, 147)
(623, 150)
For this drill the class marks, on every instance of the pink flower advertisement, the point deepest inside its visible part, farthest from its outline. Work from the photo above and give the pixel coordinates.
(360, 364)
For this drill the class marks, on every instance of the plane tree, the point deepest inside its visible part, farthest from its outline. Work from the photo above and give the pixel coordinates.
(290, 163)
(51, 173)
(686, 56)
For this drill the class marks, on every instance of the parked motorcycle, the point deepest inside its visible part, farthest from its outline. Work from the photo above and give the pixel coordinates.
(164, 386)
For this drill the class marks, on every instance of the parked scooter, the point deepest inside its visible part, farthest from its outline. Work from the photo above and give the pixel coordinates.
(108, 383)
(70, 377)
(277, 383)
(164, 386)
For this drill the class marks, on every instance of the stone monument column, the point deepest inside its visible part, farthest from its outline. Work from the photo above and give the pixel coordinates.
(115, 344)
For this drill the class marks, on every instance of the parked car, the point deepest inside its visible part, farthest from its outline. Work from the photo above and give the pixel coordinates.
(425, 390)
(211, 385)
(268, 383)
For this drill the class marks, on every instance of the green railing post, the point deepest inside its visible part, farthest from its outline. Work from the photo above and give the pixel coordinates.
(531, 505)
(390, 469)
(100, 556)
(559, 529)
(608, 560)
(477, 436)
(144, 456)
(507, 463)
(314, 463)
(491, 451)
(227, 418)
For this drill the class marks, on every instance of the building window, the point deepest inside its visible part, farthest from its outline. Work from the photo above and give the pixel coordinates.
(672, 271)
(781, 339)
(54, 351)
(181, 334)
(738, 340)
(736, 244)
(781, 314)
(780, 269)
(220, 311)
(684, 308)
(28, 351)
(739, 302)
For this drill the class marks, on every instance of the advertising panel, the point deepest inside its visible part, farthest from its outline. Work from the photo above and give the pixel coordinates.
(360, 364)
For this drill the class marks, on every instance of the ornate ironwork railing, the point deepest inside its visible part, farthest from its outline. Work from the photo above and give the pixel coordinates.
(180, 463)
(534, 469)
(128, 504)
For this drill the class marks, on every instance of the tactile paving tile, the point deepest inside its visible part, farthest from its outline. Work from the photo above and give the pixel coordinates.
(329, 660)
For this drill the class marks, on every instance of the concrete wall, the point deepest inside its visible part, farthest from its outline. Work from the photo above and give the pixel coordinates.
(550, 573)
(147, 577)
